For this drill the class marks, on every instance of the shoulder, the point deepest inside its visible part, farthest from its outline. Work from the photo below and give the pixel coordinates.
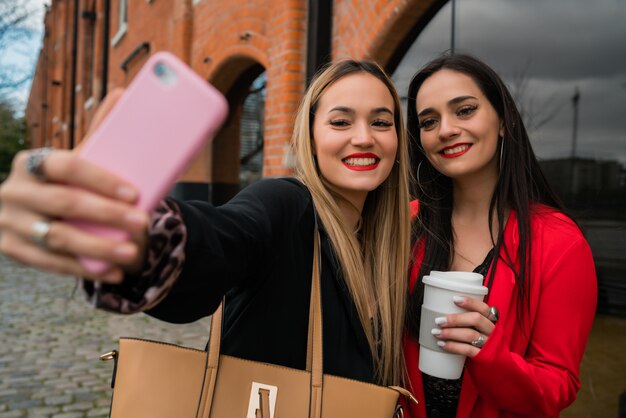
(560, 241)
(277, 185)
(272, 199)
(277, 191)
(281, 201)
(554, 225)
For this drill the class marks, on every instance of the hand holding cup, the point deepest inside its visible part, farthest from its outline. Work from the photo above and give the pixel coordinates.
(466, 333)
(447, 298)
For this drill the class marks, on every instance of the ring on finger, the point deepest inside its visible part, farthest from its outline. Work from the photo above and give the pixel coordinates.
(34, 162)
(39, 231)
(493, 314)
(480, 341)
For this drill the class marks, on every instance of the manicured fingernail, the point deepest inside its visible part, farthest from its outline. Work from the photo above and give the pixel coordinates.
(126, 193)
(441, 343)
(440, 320)
(435, 331)
(458, 299)
(136, 218)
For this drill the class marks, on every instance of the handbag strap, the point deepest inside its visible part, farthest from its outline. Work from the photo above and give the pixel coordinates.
(314, 348)
(314, 362)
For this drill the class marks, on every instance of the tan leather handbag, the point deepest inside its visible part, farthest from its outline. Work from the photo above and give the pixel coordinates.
(160, 380)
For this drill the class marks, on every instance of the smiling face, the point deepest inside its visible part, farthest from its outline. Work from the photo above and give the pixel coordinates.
(354, 135)
(459, 128)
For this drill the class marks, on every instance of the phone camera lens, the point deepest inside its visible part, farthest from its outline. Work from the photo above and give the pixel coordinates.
(164, 73)
(159, 69)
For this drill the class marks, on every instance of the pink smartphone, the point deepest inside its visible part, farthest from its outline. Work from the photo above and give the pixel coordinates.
(161, 121)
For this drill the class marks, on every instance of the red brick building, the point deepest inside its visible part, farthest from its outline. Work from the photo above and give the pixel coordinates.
(93, 46)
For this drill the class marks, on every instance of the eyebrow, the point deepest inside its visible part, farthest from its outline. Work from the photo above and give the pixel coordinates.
(454, 101)
(375, 111)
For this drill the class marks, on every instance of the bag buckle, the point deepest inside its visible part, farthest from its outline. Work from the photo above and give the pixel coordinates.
(111, 355)
(262, 401)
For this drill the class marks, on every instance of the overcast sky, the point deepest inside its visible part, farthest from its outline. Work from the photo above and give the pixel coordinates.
(561, 44)
(25, 53)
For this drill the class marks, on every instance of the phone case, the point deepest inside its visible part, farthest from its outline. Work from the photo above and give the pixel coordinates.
(161, 121)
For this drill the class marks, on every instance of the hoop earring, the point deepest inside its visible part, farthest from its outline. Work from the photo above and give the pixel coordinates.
(417, 174)
(419, 183)
(417, 178)
(501, 152)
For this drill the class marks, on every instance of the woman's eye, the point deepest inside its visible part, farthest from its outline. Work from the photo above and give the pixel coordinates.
(339, 123)
(382, 123)
(466, 110)
(427, 124)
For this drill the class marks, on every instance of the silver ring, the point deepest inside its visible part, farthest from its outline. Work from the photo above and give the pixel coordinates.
(480, 341)
(493, 314)
(34, 162)
(39, 231)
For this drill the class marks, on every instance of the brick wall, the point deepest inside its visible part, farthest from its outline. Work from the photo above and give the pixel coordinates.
(230, 39)
(373, 29)
(227, 42)
(35, 106)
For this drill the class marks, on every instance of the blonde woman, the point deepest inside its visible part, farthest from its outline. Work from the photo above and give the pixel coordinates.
(256, 250)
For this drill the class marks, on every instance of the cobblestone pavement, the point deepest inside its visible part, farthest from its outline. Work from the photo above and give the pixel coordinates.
(50, 341)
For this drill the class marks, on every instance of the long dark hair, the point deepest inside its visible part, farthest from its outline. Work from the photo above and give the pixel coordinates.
(520, 186)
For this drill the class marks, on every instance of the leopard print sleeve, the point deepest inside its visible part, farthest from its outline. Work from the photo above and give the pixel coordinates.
(164, 262)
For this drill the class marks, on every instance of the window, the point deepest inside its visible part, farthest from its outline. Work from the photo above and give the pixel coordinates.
(565, 63)
(251, 134)
(89, 50)
(122, 26)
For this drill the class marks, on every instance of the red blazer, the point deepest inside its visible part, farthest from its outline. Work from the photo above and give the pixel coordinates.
(533, 370)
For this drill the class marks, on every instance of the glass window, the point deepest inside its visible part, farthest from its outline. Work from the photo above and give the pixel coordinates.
(251, 134)
(565, 63)
(89, 48)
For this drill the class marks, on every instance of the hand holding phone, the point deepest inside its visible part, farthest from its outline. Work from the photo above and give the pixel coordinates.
(162, 120)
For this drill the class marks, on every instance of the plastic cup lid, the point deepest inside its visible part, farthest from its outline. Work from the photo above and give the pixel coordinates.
(456, 285)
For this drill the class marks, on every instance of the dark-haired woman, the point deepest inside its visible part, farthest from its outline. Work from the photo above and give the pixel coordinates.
(484, 205)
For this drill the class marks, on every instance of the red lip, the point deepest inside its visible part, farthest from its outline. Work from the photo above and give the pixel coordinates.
(362, 155)
(361, 167)
(456, 154)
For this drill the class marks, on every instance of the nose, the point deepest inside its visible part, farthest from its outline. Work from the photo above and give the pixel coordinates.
(447, 128)
(362, 135)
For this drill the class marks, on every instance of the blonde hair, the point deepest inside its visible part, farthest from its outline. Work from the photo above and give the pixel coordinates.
(375, 269)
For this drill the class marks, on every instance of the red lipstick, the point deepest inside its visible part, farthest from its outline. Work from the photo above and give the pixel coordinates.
(455, 150)
(361, 161)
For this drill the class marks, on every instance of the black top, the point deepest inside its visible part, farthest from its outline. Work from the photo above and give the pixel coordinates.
(258, 251)
(442, 395)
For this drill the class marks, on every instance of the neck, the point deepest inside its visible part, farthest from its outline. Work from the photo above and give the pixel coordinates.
(472, 196)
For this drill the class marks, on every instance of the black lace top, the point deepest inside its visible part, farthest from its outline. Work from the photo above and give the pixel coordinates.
(442, 395)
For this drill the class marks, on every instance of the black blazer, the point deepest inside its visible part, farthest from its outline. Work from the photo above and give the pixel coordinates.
(258, 251)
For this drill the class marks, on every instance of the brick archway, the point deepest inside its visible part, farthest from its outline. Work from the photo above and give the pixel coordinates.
(233, 77)
(378, 30)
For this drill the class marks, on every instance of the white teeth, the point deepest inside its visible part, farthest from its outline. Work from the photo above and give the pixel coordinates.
(455, 149)
(361, 162)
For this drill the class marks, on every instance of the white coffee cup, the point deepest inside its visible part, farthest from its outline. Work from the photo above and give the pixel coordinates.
(439, 289)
